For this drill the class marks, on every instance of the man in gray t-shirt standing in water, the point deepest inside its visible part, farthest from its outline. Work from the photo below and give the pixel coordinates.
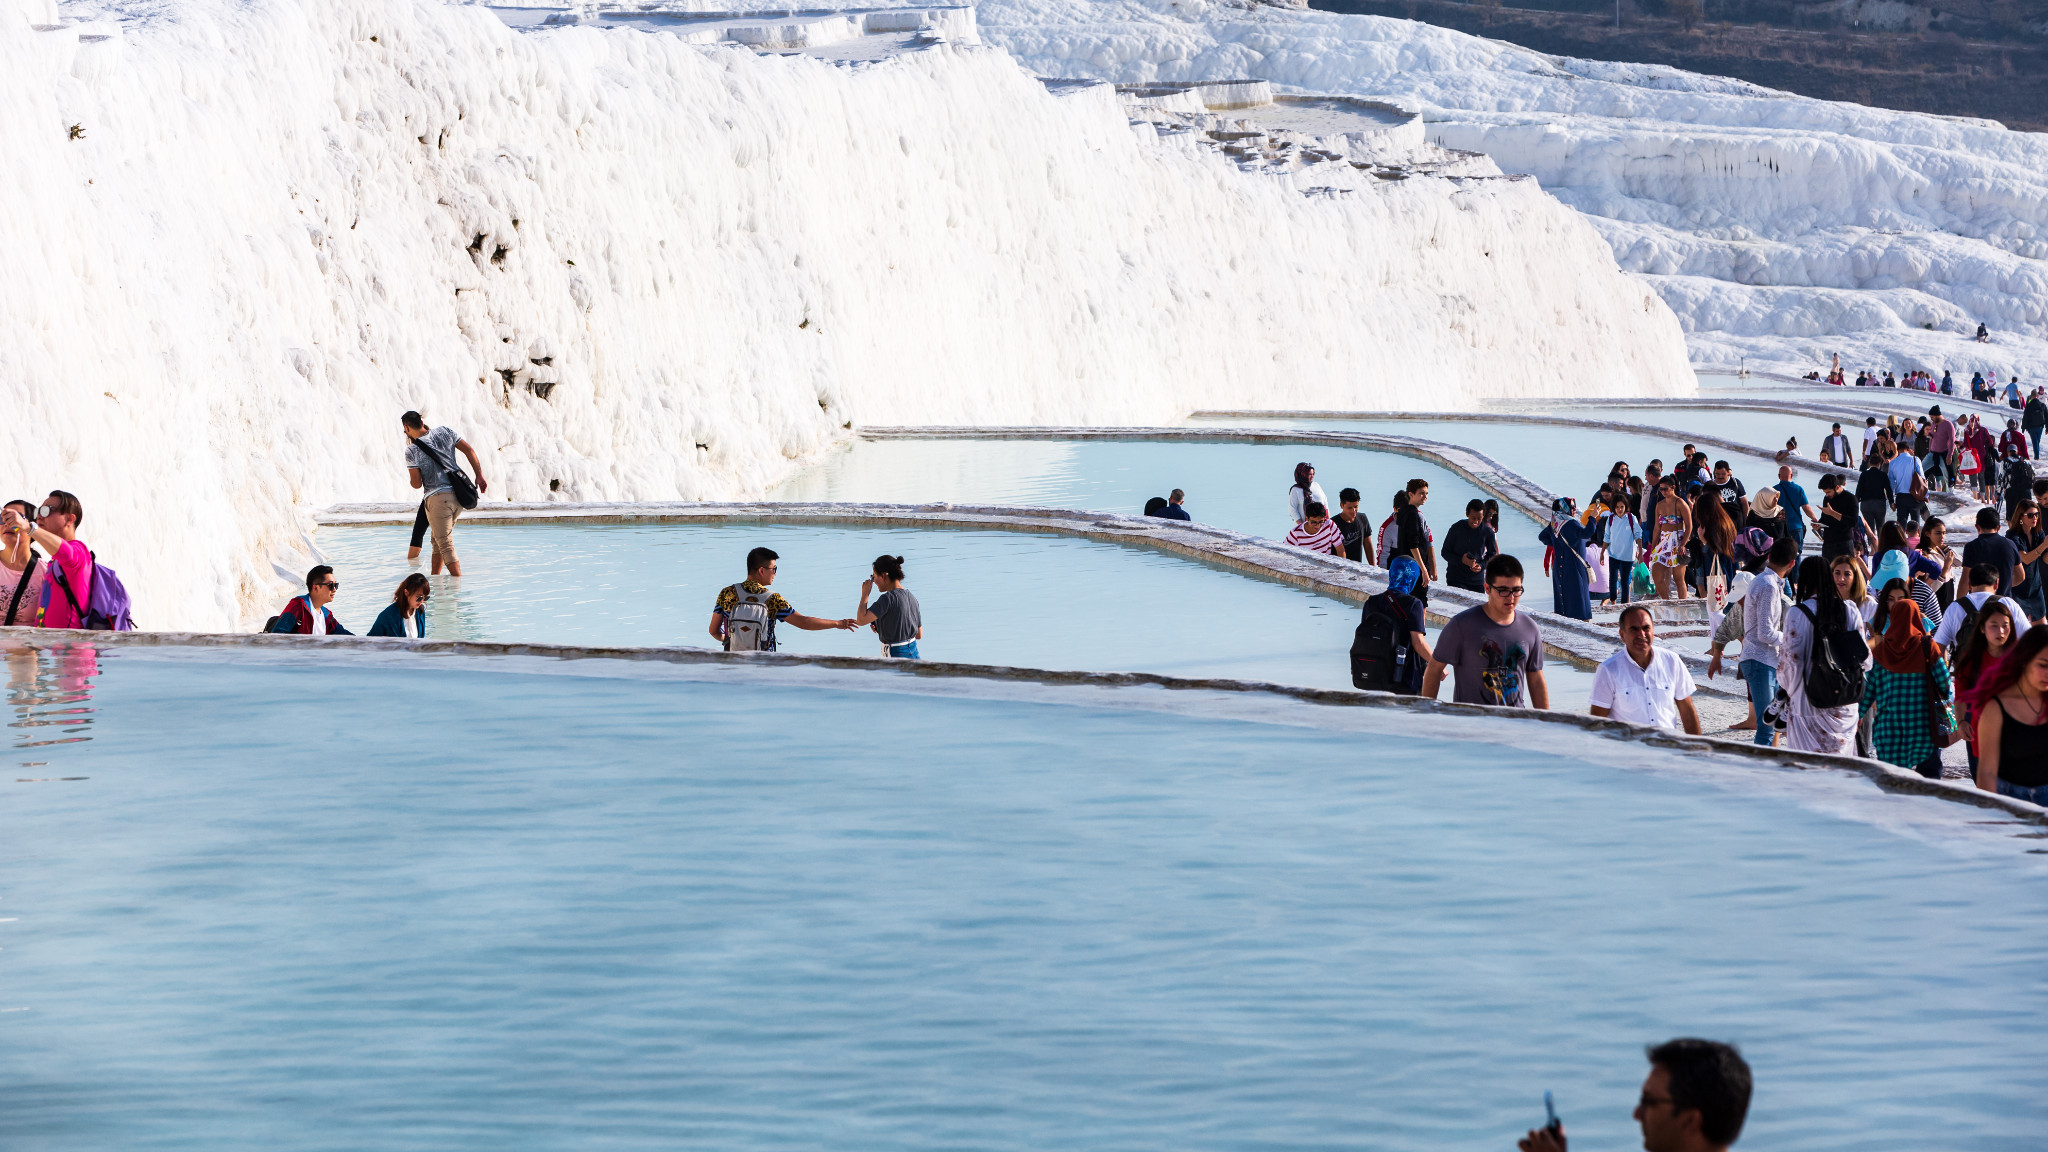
(424, 455)
(1497, 651)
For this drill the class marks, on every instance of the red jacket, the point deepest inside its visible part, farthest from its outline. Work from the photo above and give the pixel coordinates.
(298, 617)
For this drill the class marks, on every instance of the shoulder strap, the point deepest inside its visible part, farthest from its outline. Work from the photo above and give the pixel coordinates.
(27, 571)
(56, 576)
(443, 461)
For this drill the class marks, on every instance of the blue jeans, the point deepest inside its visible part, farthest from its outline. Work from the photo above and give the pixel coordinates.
(1763, 688)
(2034, 434)
(2038, 795)
(901, 651)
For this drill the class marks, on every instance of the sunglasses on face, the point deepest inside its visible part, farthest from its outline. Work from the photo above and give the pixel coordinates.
(328, 584)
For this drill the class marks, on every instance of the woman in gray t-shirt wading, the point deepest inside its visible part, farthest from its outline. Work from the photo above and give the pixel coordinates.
(895, 616)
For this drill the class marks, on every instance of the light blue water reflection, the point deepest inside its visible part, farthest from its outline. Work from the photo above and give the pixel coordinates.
(1242, 487)
(987, 597)
(336, 904)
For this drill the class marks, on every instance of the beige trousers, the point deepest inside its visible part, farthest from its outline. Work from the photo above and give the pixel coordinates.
(442, 511)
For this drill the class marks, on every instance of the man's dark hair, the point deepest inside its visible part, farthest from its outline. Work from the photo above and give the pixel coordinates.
(1503, 565)
(1313, 509)
(1783, 552)
(413, 420)
(760, 558)
(1472, 506)
(1983, 576)
(2040, 489)
(1830, 482)
(1710, 1078)
(1623, 621)
(320, 572)
(1416, 485)
(1722, 464)
(1987, 519)
(1348, 496)
(62, 503)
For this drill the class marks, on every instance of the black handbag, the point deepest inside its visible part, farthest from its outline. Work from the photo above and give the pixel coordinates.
(459, 483)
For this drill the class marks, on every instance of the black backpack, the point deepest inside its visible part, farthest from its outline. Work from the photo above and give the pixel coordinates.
(1967, 630)
(1381, 658)
(1835, 676)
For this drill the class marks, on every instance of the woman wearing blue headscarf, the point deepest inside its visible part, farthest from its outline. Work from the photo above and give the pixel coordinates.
(1389, 651)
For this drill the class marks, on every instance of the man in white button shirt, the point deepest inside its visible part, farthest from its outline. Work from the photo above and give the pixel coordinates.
(1642, 683)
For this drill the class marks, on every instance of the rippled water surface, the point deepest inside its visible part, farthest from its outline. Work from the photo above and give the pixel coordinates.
(344, 903)
(987, 597)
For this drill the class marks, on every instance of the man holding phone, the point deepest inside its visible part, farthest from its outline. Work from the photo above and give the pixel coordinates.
(1694, 1100)
(1468, 546)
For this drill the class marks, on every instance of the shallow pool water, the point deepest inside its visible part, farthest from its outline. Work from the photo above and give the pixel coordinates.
(339, 902)
(1242, 487)
(987, 597)
(1762, 430)
(1566, 460)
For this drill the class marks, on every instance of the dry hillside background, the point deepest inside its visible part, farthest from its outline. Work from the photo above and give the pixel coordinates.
(1973, 58)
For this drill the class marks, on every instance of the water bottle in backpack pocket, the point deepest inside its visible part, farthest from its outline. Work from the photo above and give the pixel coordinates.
(1381, 658)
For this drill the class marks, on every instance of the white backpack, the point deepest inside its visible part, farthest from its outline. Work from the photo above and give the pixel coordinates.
(750, 626)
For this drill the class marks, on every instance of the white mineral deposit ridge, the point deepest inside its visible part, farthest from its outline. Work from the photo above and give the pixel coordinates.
(1778, 228)
(242, 236)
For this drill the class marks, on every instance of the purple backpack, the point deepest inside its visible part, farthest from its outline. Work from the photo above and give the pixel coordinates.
(106, 610)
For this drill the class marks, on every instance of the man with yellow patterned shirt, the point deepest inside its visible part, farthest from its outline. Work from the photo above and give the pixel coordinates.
(745, 617)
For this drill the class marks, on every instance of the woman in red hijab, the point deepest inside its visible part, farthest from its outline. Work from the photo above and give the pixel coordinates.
(1905, 694)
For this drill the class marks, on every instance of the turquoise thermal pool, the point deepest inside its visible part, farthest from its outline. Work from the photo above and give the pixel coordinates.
(1011, 598)
(1766, 430)
(1242, 487)
(1567, 460)
(341, 901)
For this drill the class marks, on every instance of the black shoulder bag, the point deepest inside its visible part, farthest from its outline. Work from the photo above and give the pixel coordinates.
(459, 483)
(28, 571)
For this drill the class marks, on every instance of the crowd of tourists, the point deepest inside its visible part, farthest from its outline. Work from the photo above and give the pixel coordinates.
(1890, 642)
(1469, 544)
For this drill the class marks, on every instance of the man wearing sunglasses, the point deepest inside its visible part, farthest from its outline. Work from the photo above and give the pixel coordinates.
(56, 529)
(1694, 1100)
(1497, 651)
(308, 615)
